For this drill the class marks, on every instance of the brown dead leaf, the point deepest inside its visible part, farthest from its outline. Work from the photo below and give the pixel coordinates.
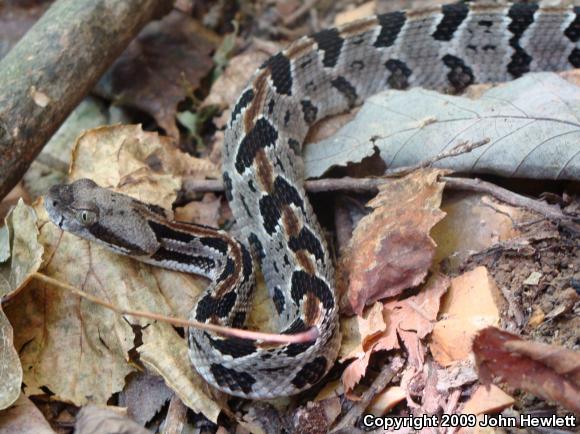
(386, 400)
(23, 418)
(96, 420)
(487, 399)
(136, 162)
(228, 87)
(505, 357)
(204, 212)
(391, 249)
(461, 318)
(20, 257)
(161, 67)
(78, 350)
(410, 319)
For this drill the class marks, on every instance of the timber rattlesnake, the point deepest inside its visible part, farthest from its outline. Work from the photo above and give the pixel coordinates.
(444, 48)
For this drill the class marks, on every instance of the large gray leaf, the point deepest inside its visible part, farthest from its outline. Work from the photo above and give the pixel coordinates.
(533, 127)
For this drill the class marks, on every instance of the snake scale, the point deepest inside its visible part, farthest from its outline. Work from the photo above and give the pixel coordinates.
(446, 48)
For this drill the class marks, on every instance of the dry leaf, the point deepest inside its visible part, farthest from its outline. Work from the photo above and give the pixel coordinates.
(410, 319)
(20, 257)
(461, 318)
(391, 249)
(386, 400)
(531, 122)
(506, 357)
(23, 418)
(487, 399)
(161, 67)
(78, 350)
(97, 420)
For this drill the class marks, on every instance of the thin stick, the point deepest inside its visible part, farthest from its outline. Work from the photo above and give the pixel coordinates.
(291, 19)
(307, 336)
(369, 185)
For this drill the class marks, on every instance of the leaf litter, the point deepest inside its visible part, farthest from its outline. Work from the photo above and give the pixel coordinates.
(456, 235)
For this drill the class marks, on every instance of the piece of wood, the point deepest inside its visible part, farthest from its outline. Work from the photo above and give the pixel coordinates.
(50, 70)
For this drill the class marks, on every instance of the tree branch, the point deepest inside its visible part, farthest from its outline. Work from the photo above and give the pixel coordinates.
(49, 71)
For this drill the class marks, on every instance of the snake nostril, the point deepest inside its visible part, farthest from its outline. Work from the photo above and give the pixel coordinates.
(54, 203)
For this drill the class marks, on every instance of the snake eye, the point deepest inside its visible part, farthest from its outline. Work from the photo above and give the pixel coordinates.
(86, 216)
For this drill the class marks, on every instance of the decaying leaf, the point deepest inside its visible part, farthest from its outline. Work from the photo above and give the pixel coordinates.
(487, 399)
(95, 420)
(391, 249)
(20, 257)
(461, 318)
(161, 67)
(532, 124)
(23, 418)
(543, 370)
(76, 349)
(410, 320)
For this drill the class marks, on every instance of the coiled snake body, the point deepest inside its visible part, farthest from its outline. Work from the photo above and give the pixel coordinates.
(445, 48)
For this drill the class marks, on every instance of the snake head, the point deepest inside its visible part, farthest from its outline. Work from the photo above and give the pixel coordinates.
(100, 215)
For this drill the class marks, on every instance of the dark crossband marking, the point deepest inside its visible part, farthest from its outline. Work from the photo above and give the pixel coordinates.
(239, 319)
(310, 373)
(522, 16)
(262, 135)
(346, 89)
(228, 186)
(104, 234)
(209, 306)
(279, 301)
(232, 379)
(308, 241)
(254, 241)
(309, 110)
(215, 243)
(573, 30)
(165, 232)
(235, 347)
(271, 205)
(391, 24)
(242, 103)
(293, 350)
(400, 73)
(330, 42)
(281, 73)
(303, 283)
(247, 264)
(201, 262)
(453, 16)
(228, 270)
(460, 75)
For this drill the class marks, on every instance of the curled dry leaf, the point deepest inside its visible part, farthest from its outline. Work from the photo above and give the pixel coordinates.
(161, 67)
(461, 318)
(20, 257)
(95, 420)
(391, 249)
(136, 162)
(544, 370)
(78, 350)
(410, 320)
(23, 418)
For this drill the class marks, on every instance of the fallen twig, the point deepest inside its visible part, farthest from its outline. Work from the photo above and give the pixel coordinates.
(346, 424)
(371, 185)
